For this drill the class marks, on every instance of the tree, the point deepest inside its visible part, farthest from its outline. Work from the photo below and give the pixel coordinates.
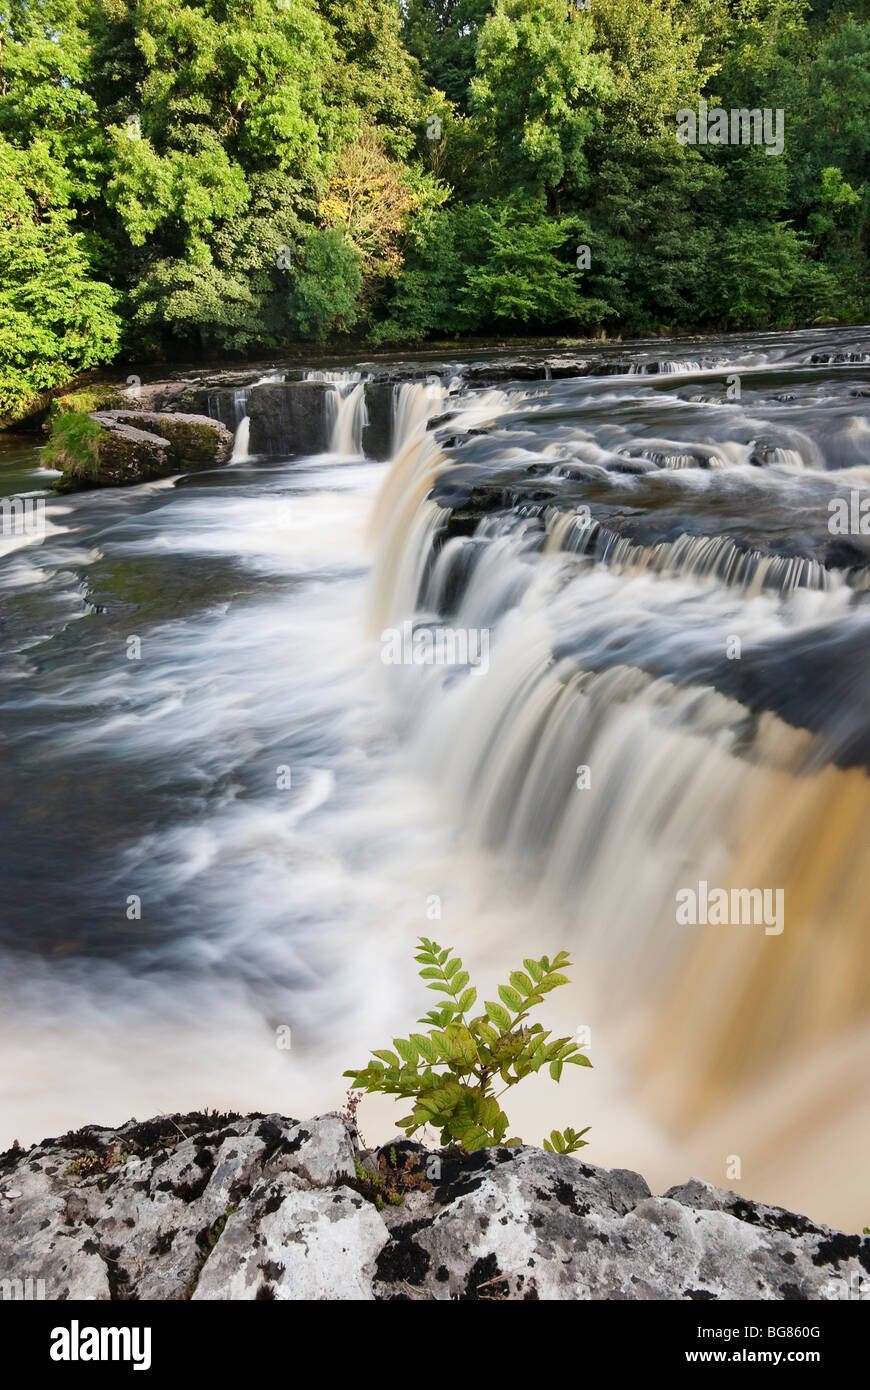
(56, 318)
(323, 299)
(534, 95)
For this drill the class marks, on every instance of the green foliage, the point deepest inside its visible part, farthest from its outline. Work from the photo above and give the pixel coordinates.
(55, 318)
(535, 94)
(72, 447)
(323, 298)
(158, 158)
(390, 1183)
(443, 35)
(449, 1071)
(86, 399)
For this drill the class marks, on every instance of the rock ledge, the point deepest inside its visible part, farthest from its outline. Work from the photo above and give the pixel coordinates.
(209, 1206)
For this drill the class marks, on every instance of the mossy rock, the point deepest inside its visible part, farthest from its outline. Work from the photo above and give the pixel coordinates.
(120, 447)
(86, 400)
(196, 441)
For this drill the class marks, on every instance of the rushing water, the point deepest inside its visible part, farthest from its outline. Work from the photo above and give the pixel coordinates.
(198, 727)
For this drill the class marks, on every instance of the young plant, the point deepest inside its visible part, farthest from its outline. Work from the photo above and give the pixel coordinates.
(449, 1072)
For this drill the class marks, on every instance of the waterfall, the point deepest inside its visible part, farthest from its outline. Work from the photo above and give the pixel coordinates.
(349, 420)
(713, 558)
(240, 452)
(684, 784)
(404, 520)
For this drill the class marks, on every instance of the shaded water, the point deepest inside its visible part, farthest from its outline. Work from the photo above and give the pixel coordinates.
(613, 534)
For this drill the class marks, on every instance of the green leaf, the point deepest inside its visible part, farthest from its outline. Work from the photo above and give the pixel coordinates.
(534, 969)
(511, 998)
(469, 997)
(521, 982)
(475, 1137)
(425, 1047)
(497, 1014)
(556, 1070)
(386, 1056)
(405, 1049)
(551, 982)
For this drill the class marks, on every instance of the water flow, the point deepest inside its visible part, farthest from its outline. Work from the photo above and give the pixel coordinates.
(350, 420)
(252, 817)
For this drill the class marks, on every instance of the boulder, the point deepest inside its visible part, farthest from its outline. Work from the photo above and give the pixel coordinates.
(135, 446)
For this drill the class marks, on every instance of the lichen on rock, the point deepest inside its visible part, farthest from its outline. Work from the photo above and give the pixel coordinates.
(212, 1207)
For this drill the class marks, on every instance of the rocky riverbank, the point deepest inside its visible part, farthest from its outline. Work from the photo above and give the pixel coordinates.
(211, 1206)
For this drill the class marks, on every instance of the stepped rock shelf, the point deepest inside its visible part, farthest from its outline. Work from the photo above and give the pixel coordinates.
(224, 1207)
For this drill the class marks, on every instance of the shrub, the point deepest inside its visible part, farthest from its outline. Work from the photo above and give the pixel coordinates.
(448, 1072)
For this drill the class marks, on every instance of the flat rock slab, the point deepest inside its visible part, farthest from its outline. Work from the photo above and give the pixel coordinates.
(214, 1207)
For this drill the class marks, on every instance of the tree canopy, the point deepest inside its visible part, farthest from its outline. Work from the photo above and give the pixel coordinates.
(229, 176)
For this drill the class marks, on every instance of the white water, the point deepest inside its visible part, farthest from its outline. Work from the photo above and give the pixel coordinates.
(240, 452)
(414, 789)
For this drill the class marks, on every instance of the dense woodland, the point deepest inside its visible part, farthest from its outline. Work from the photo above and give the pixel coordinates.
(189, 177)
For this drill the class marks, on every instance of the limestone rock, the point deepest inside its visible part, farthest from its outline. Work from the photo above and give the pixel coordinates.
(289, 417)
(215, 1207)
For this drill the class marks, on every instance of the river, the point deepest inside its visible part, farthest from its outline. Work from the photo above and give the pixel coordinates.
(226, 817)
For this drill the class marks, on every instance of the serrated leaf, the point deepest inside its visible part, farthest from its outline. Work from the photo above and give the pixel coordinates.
(534, 969)
(551, 982)
(497, 1014)
(511, 998)
(406, 1050)
(521, 982)
(474, 1137)
(468, 999)
(459, 981)
(452, 966)
(425, 1047)
(386, 1056)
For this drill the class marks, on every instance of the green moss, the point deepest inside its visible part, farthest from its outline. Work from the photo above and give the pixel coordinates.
(192, 443)
(86, 399)
(73, 448)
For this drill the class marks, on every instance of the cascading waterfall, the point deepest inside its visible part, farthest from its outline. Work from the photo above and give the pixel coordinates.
(674, 693)
(350, 420)
(241, 440)
(713, 557)
(684, 784)
(242, 435)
